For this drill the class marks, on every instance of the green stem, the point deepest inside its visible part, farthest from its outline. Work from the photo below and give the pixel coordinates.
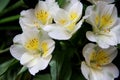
(9, 19)
(5, 50)
(15, 6)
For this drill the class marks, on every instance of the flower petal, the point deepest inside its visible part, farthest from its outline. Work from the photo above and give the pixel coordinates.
(57, 32)
(17, 51)
(87, 51)
(41, 65)
(85, 70)
(28, 60)
(75, 11)
(28, 19)
(91, 36)
(111, 70)
(17, 39)
(111, 52)
(105, 41)
(50, 47)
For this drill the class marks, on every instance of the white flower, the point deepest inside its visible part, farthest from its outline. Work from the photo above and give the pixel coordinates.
(95, 1)
(97, 64)
(33, 48)
(40, 16)
(66, 21)
(105, 24)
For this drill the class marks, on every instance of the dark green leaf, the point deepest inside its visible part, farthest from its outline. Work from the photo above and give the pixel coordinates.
(56, 64)
(42, 77)
(77, 76)
(23, 69)
(3, 4)
(4, 67)
(61, 62)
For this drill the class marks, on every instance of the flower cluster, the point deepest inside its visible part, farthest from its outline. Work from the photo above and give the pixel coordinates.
(47, 21)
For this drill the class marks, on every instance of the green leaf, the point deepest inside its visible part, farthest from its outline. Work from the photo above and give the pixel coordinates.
(76, 75)
(6, 65)
(56, 64)
(3, 4)
(42, 77)
(23, 69)
(60, 64)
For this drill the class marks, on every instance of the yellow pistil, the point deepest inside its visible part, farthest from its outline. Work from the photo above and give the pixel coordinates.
(98, 58)
(73, 16)
(32, 44)
(44, 47)
(42, 15)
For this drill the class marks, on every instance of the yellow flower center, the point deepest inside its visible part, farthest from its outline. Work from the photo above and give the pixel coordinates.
(32, 44)
(44, 48)
(99, 58)
(103, 22)
(42, 15)
(62, 21)
(73, 16)
(71, 26)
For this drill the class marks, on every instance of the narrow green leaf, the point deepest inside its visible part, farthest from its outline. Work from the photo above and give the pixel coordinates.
(3, 4)
(76, 75)
(23, 69)
(42, 77)
(6, 65)
(56, 64)
(9, 19)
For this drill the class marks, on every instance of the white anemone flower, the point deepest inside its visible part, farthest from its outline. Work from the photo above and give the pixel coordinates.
(105, 24)
(67, 21)
(97, 64)
(95, 1)
(40, 16)
(33, 49)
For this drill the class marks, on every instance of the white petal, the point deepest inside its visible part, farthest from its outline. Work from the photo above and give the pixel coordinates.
(28, 60)
(116, 29)
(50, 45)
(27, 19)
(105, 41)
(87, 51)
(61, 14)
(108, 10)
(17, 39)
(112, 53)
(41, 65)
(77, 26)
(29, 34)
(85, 70)
(17, 51)
(111, 70)
(91, 36)
(77, 8)
(57, 32)
(91, 15)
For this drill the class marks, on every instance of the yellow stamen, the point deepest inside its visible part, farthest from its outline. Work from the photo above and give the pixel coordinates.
(44, 48)
(32, 44)
(71, 27)
(42, 15)
(99, 58)
(62, 21)
(73, 16)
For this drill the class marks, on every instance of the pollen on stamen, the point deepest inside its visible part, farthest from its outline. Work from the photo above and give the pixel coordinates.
(73, 15)
(42, 15)
(32, 44)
